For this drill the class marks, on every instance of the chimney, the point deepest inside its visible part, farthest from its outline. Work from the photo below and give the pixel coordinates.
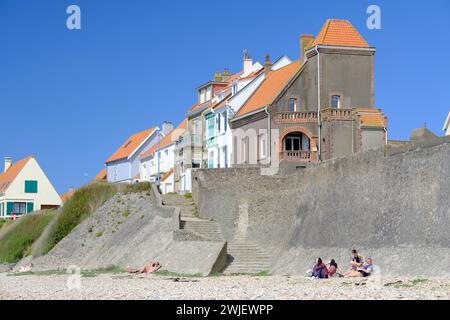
(247, 64)
(267, 64)
(225, 74)
(8, 162)
(305, 42)
(217, 77)
(167, 127)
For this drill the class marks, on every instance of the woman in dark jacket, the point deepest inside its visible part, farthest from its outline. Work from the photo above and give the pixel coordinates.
(320, 270)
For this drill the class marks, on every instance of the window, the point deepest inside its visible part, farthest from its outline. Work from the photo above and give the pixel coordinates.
(20, 208)
(224, 119)
(293, 104)
(262, 146)
(210, 125)
(225, 156)
(31, 186)
(208, 93)
(335, 101)
(234, 89)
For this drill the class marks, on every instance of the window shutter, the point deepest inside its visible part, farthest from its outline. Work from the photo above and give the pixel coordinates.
(9, 207)
(30, 207)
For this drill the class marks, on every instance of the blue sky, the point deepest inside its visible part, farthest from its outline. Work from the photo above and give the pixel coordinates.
(72, 97)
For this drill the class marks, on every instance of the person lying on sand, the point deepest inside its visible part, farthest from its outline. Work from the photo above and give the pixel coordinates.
(148, 268)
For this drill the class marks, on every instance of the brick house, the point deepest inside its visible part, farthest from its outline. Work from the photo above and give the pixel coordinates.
(316, 108)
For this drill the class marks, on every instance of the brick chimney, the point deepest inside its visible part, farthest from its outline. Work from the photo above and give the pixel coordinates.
(305, 42)
(267, 64)
(8, 162)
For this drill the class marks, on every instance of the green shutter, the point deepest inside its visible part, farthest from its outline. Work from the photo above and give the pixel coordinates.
(9, 208)
(31, 186)
(30, 207)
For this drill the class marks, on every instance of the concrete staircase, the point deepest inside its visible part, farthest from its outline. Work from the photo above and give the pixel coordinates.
(243, 257)
(246, 257)
(208, 230)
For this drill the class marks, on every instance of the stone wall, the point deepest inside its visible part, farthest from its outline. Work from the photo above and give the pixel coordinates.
(392, 203)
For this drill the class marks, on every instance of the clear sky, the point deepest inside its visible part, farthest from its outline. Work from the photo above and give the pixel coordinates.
(71, 97)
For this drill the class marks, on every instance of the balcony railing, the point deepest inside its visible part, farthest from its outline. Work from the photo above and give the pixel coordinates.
(297, 156)
(296, 117)
(193, 140)
(337, 114)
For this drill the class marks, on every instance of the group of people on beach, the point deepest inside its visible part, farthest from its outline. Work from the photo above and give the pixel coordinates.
(359, 267)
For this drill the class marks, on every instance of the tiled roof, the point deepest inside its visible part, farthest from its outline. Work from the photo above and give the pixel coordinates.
(130, 145)
(371, 118)
(9, 175)
(101, 175)
(270, 88)
(167, 140)
(68, 195)
(339, 33)
(167, 175)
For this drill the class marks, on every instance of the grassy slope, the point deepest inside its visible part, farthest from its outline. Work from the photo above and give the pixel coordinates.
(83, 203)
(16, 242)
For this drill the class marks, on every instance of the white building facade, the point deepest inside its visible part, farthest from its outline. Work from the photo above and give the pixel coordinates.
(24, 188)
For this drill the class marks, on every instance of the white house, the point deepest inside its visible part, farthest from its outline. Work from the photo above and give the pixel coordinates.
(123, 164)
(25, 188)
(157, 164)
(447, 125)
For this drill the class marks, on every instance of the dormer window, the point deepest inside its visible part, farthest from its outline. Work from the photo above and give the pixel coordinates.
(234, 89)
(205, 94)
(336, 101)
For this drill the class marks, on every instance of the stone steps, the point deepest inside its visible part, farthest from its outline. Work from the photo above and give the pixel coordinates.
(246, 257)
(208, 230)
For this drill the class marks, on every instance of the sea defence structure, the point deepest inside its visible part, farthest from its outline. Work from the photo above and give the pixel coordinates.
(393, 204)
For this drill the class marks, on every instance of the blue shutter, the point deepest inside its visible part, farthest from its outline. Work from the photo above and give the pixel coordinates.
(31, 186)
(30, 207)
(9, 208)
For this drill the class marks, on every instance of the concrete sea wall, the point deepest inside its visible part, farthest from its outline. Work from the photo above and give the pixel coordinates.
(392, 203)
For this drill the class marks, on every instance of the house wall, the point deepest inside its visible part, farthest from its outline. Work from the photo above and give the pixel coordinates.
(46, 194)
(129, 168)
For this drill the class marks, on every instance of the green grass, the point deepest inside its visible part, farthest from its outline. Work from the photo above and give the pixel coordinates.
(84, 202)
(188, 195)
(138, 188)
(17, 242)
(99, 234)
(411, 283)
(126, 213)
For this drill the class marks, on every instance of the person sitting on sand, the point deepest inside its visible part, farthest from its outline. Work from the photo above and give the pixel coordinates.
(355, 262)
(320, 270)
(364, 271)
(333, 269)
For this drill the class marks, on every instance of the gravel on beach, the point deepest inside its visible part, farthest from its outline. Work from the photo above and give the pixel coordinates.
(155, 287)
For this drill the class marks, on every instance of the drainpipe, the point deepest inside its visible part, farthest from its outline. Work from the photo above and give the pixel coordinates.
(319, 124)
(159, 157)
(269, 134)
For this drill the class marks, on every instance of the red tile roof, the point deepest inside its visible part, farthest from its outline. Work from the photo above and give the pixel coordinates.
(101, 175)
(270, 88)
(167, 140)
(130, 145)
(339, 33)
(166, 175)
(9, 175)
